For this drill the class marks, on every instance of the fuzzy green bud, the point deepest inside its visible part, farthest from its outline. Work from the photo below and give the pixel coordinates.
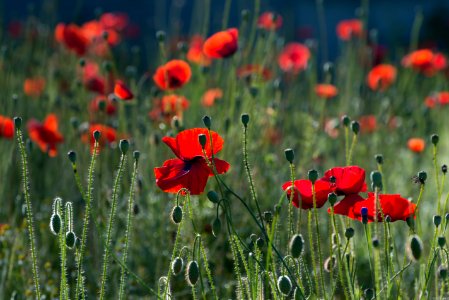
(437, 220)
(349, 232)
(176, 214)
(415, 247)
(345, 120)
(444, 169)
(441, 241)
(369, 293)
(332, 198)
(160, 36)
(55, 224)
(284, 285)
(207, 122)
(260, 242)
(376, 180)
(192, 273)
(375, 242)
(422, 176)
(313, 175)
(216, 227)
(177, 265)
(70, 239)
(296, 245)
(213, 197)
(202, 139)
(355, 127)
(97, 135)
(124, 146)
(268, 216)
(136, 155)
(245, 120)
(72, 156)
(17, 122)
(442, 272)
(434, 138)
(379, 159)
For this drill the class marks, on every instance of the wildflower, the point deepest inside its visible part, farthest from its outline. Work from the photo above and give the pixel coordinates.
(303, 192)
(195, 53)
(190, 170)
(172, 75)
(210, 96)
(294, 58)
(174, 104)
(368, 123)
(34, 87)
(6, 127)
(46, 135)
(440, 98)
(269, 21)
(108, 136)
(122, 91)
(346, 180)
(116, 21)
(416, 145)
(425, 61)
(381, 77)
(326, 91)
(222, 44)
(72, 37)
(348, 29)
(109, 105)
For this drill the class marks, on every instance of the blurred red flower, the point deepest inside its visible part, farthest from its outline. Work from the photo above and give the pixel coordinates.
(195, 53)
(210, 96)
(326, 91)
(102, 101)
(34, 87)
(46, 135)
(368, 123)
(269, 21)
(189, 170)
(116, 21)
(222, 44)
(348, 29)
(72, 37)
(381, 77)
(121, 91)
(108, 136)
(440, 98)
(346, 180)
(6, 127)
(294, 58)
(425, 61)
(416, 145)
(172, 75)
(303, 192)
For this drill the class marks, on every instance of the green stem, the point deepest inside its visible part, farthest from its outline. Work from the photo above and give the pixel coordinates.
(318, 239)
(351, 150)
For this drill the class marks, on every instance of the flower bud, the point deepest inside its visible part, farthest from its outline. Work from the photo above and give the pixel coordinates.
(17, 122)
(434, 138)
(177, 265)
(213, 197)
(296, 245)
(415, 247)
(369, 293)
(207, 122)
(124, 146)
(345, 120)
(437, 220)
(332, 198)
(245, 119)
(97, 135)
(160, 36)
(72, 156)
(387, 219)
(349, 232)
(202, 139)
(355, 127)
(330, 263)
(422, 176)
(176, 214)
(441, 241)
(216, 227)
(444, 169)
(192, 273)
(442, 271)
(55, 224)
(411, 223)
(284, 285)
(260, 242)
(136, 155)
(313, 175)
(376, 180)
(268, 216)
(379, 159)
(70, 239)
(375, 242)
(297, 294)
(289, 155)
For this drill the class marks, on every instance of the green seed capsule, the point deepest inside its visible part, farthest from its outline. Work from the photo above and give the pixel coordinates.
(442, 272)
(415, 247)
(296, 245)
(177, 265)
(289, 155)
(216, 227)
(202, 139)
(441, 241)
(176, 214)
(245, 119)
(349, 232)
(369, 294)
(207, 122)
(55, 224)
(284, 285)
(437, 220)
(70, 239)
(213, 197)
(313, 175)
(297, 295)
(192, 273)
(260, 243)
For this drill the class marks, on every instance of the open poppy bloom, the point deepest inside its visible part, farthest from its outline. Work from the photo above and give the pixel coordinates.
(347, 29)
(34, 87)
(116, 20)
(303, 192)
(294, 58)
(107, 137)
(210, 96)
(46, 135)
(269, 21)
(189, 170)
(416, 145)
(172, 75)
(326, 91)
(346, 180)
(72, 37)
(6, 127)
(392, 205)
(195, 53)
(222, 44)
(122, 91)
(381, 77)
(425, 61)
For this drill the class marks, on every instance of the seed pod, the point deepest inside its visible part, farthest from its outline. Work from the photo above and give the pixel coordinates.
(415, 247)
(355, 127)
(202, 139)
(213, 197)
(434, 138)
(176, 214)
(70, 239)
(345, 120)
(332, 198)
(260, 242)
(349, 232)
(437, 220)
(216, 227)
(330, 263)
(55, 224)
(369, 293)
(296, 245)
(442, 271)
(284, 285)
(376, 180)
(441, 241)
(192, 273)
(124, 146)
(72, 156)
(289, 155)
(444, 169)
(379, 158)
(313, 175)
(17, 122)
(97, 135)
(245, 119)
(177, 265)
(422, 176)
(207, 122)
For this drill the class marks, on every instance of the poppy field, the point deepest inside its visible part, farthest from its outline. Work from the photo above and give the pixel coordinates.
(234, 162)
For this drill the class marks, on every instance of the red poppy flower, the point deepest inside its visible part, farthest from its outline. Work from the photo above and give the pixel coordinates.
(174, 103)
(346, 180)
(46, 135)
(210, 96)
(381, 77)
(222, 44)
(108, 136)
(99, 101)
(425, 61)
(116, 21)
(347, 29)
(303, 188)
(294, 58)
(95, 82)
(392, 205)
(189, 170)
(247, 71)
(122, 91)
(72, 37)
(416, 145)
(269, 21)
(95, 32)
(368, 123)
(195, 53)
(326, 91)
(34, 87)
(6, 127)
(172, 75)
